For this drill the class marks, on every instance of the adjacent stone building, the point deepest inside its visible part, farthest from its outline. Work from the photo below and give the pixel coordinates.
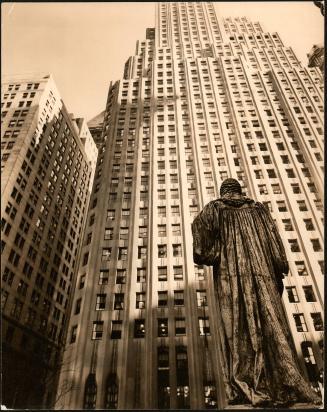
(46, 179)
(201, 100)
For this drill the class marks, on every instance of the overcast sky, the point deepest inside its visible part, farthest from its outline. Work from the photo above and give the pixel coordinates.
(85, 45)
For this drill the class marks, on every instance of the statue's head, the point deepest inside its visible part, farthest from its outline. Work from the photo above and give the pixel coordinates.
(230, 186)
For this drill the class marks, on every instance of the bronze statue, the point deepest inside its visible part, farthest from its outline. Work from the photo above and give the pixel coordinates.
(238, 237)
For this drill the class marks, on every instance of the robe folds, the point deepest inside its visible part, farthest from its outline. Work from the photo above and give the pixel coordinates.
(238, 237)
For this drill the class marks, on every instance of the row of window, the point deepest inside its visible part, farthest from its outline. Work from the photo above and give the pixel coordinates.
(294, 298)
(18, 86)
(301, 325)
(118, 303)
(143, 232)
(121, 275)
(142, 252)
(140, 330)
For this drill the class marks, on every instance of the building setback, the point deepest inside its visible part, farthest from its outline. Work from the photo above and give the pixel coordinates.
(46, 180)
(200, 101)
(95, 126)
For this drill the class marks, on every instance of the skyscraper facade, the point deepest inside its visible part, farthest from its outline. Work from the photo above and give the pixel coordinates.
(45, 189)
(201, 100)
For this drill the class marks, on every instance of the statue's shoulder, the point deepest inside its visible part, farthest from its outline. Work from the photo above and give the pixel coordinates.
(260, 205)
(214, 205)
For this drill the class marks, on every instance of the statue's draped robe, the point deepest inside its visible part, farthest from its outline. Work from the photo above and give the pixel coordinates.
(238, 237)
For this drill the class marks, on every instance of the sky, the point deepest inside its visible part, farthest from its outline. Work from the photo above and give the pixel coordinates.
(85, 45)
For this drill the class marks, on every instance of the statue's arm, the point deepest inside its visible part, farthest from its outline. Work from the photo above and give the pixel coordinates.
(204, 233)
(280, 259)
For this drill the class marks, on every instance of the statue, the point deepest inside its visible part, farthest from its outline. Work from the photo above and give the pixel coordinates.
(238, 237)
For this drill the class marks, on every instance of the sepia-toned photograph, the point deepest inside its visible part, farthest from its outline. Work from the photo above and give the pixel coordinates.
(162, 213)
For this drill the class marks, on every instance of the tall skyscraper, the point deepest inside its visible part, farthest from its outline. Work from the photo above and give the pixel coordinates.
(201, 100)
(46, 180)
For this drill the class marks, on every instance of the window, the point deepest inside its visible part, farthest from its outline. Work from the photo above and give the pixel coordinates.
(162, 211)
(296, 188)
(103, 277)
(162, 251)
(180, 327)
(309, 294)
(178, 272)
(301, 268)
(292, 294)
(258, 174)
(108, 234)
(119, 301)
(302, 205)
(120, 276)
(271, 173)
(97, 331)
(101, 301)
(140, 300)
(276, 189)
(163, 358)
(201, 298)
(14, 257)
(162, 327)
(123, 233)
(294, 245)
(78, 305)
(142, 252)
(308, 224)
(125, 213)
(162, 298)
(82, 282)
(175, 211)
(281, 205)
(16, 309)
(8, 276)
(204, 328)
(110, 215)
(287, 224)
(4, 297)
(106, 254)
(116, 328)
(141, 275)
(263, 189)
(316, 245)
(176, 229)
(300, 324)
(162, 273)
(317, 321)
(139, 328)
(178, 297)
(85, 258)
(122, 253)
(73, 334)
(199, 272)
(312, 187)
(177, 250)
(290, 173)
